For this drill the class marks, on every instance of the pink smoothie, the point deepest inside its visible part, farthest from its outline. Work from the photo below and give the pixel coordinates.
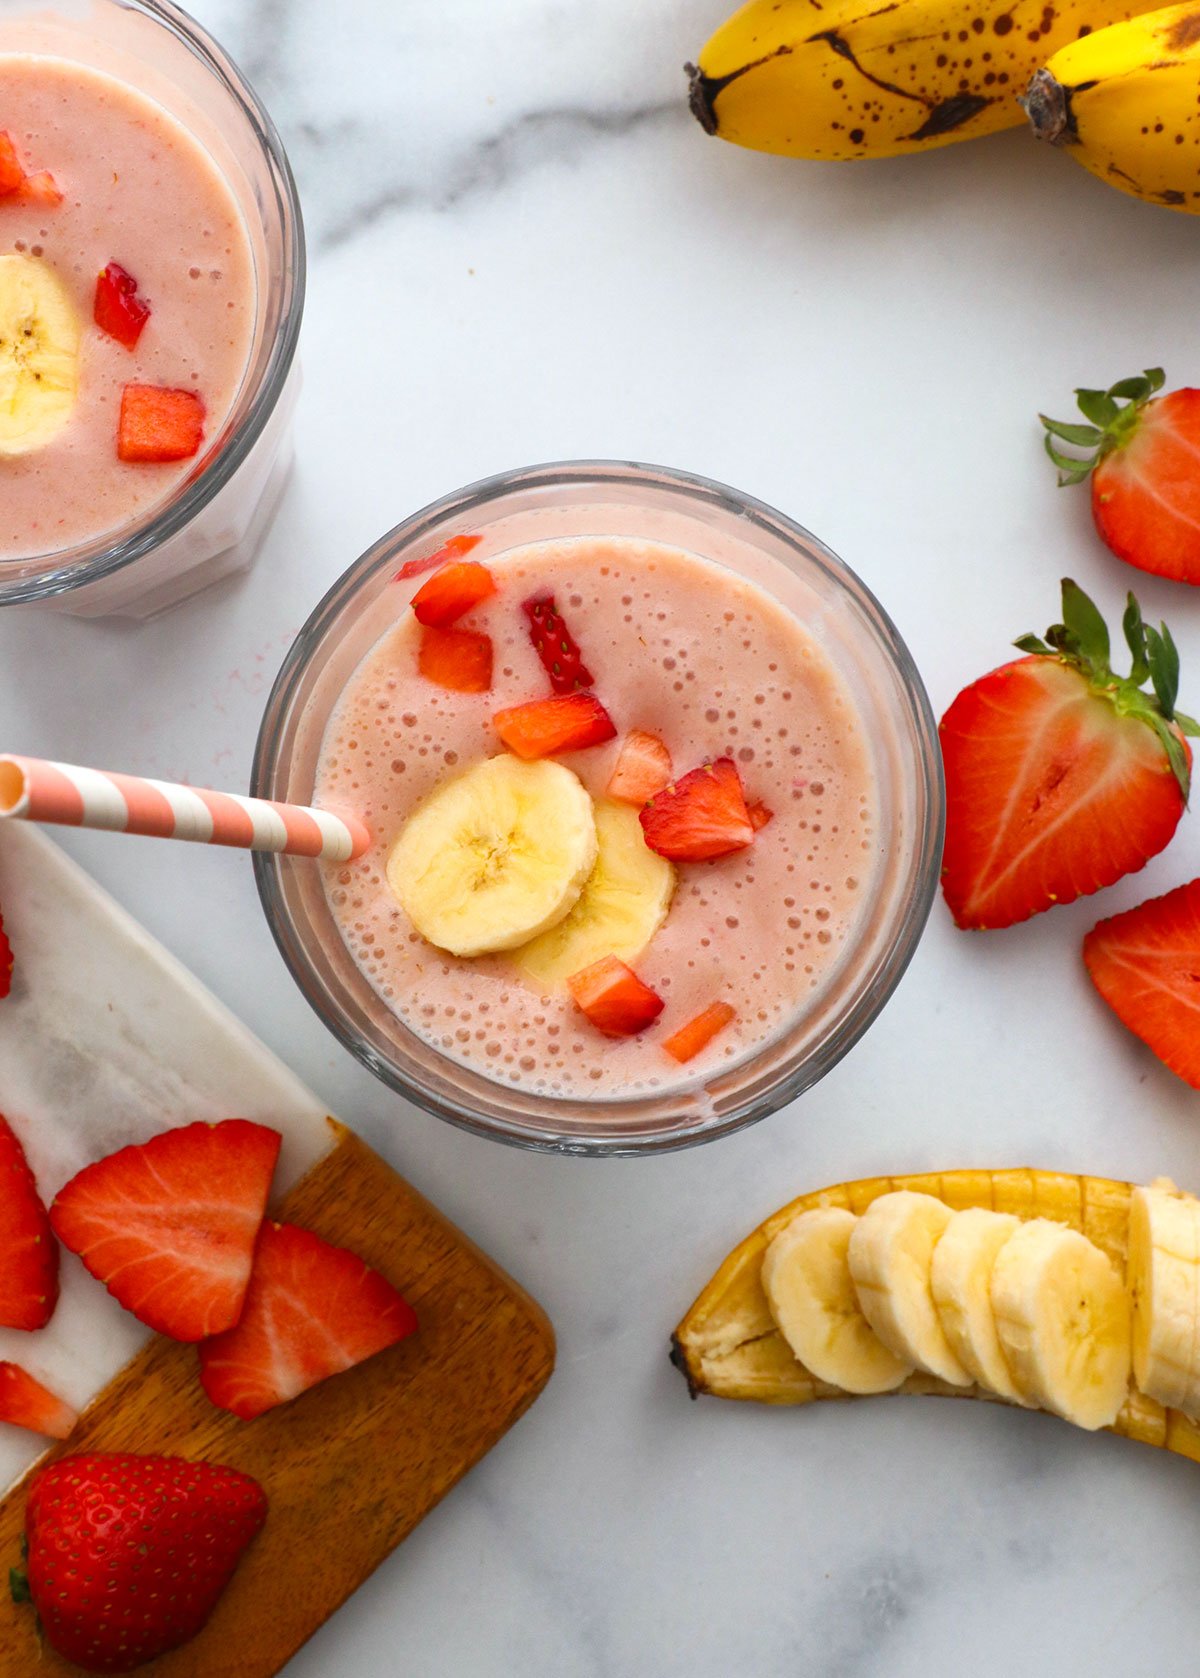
(714, 666)
(139, 191)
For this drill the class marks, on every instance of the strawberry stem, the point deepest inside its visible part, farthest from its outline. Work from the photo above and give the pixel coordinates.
(1113, 417)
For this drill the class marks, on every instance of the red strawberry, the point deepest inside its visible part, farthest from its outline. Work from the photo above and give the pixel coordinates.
(452, 591)
(1144, 463)
(6, 962)
(614, 998)
(697, 1034)
(117, 309)
(28, 1250)
(1061, 776)
(643, 768)
(128, 1555)
(26, 1403)
(545, 727)
(40, 188)
(455, 547)
(457, 659)
(158, 424)
(169, 1225)
(759, 815)
(700, 816)
(555, 646)
(313, 1310)
(12, 170)
(1146, 965)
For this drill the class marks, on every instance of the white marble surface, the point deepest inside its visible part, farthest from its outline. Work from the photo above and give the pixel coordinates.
(523, 249)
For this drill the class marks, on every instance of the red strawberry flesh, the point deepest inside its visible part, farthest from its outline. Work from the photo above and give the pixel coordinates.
(643, 768)
(6, 962)
(686, 1043)
(40, 188)
(451, 592)
(117, 308)
(701, 816)
(614, 999)
(459, 660)
(28, 1250)
(556, 646)
(158, 424)
(1146, 965)
(546, 727)
(12, 170)
(26, 1403)
(455, 547)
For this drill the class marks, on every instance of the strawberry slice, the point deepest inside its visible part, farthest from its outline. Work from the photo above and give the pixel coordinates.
(12, 170)
(117, 309)
(454, 547)
(687, 1042)
(6, 962)
(759, 815)
(169, 1225)
(457, 659)
(26, 1403)
(545, 727)
(312, 1311)
(700, 816)
(1146, 965)
(614, 998)
(41, 188)
(158, 424)
(1061, 776)
(452, 591)
(643, 768)
(28, 1250)
(555, 645)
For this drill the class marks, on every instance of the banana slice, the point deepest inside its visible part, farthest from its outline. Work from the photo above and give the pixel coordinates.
(891, 1254)
(960, 1278)
(806, 1278)
(39, 354)
(1164, 1281)
(620, 908)
(495, 856)
(1063, 1318)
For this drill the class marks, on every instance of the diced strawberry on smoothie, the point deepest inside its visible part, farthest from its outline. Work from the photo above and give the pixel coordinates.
(459, 660)
(454, 547)
(545, 727)
(41, 188)
(555, 645)
(759, 815)
(6, 962)
(451, 592)
(613, 997)
(687, 1042)
(643, 768)
(26, 1403)
(701, 816)
(12, 170)
(159, 424)
(117, 309)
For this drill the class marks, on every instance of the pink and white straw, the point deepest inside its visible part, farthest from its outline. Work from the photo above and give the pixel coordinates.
(32, 789)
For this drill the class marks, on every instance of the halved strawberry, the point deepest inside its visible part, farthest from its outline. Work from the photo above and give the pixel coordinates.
(700, 816)
(643, 768)
(28, 1250)
(697, 1034)
(1061, 776)
(1143, 457)
(158, 424)
(169, 1225)
(1146, 965)
(40, 188)
(12, 170)
(454, 547)
(117, 308)
(452, 591)
(6, 962)
(457, 659)
(555, 645)
(26, 1403)
(759, 815)
(614, 998)
(312, 1311)
(544, 727)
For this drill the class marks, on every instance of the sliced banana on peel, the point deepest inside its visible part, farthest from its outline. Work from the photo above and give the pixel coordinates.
(960, 1277)
(891, 1256)
(1164, 1282)
(39, 354)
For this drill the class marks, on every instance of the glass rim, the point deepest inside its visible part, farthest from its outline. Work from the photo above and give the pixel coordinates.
(72, 568)
(907, 920)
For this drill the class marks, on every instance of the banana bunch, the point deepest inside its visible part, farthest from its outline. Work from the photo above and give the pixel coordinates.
(1027, 1287)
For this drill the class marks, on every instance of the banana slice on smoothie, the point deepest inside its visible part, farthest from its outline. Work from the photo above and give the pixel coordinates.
(1164, 1281)
(891, 1256)
(495, 856)
(39, 354)
(622, 905)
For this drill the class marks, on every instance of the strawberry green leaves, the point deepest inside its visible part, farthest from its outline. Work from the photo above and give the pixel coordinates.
(1112, 415)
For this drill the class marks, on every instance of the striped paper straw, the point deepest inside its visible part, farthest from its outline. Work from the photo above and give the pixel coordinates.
(32, 789)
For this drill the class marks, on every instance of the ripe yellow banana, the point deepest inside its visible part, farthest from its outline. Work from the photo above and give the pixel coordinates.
(844, 79)
(1123, 102)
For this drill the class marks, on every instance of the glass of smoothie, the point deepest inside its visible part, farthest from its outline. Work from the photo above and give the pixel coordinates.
(655, 803)
(151, 289)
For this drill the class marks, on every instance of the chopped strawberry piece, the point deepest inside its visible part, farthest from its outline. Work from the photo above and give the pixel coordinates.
(6, 962)
(158, 424)
(454, 547)
(643, 768)
(118, 310)
(457, 659)
(452, 591)
(12, 170)
(701, 816)
(555, 646)
(1146, 965)
(544, 727)
(684, 1044)
(26, 1403)
(169, 1225)
(614, 998)
(41, 189)
(313, 1310)
(759, 815)
(28, 1250)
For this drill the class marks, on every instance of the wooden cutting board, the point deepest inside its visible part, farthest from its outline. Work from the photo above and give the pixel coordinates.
(351, 1466)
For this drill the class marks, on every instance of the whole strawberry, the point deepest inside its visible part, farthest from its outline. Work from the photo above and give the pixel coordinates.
(127, 1555)
(1060, 775)
(1143, 458)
